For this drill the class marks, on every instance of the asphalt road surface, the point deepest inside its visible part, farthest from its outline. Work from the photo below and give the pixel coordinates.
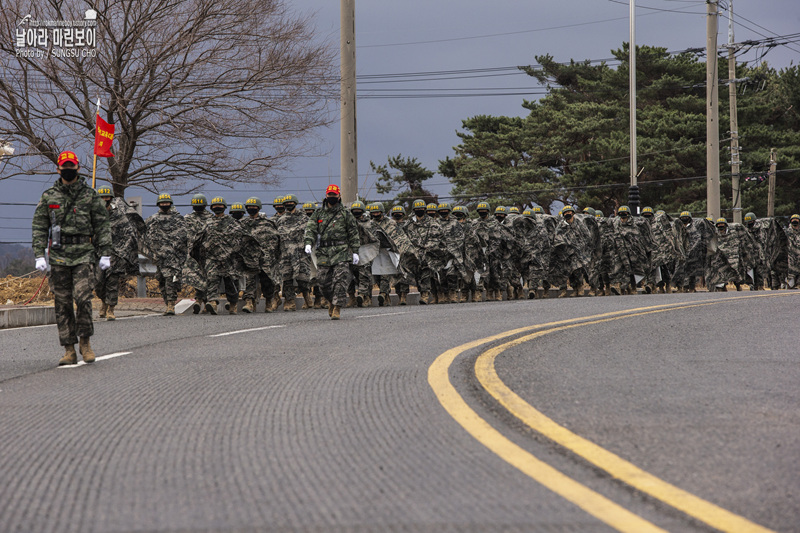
(639, 413)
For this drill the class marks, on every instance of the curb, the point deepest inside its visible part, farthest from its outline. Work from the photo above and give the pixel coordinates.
(18, 317)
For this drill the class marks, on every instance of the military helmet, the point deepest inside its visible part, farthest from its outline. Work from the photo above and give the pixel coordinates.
(357, 205)
(309, 206)
(538, 209)
(685, 214)
(721, 221)
(749, 217)
(253, 201)
(418, 204)
(278, 201)
(500, 210)
(398, 209)
(567, 208)
(444, 206)
(291, 199)
(794, 217)
(661, 212)
(164, 198)
(483, 206)
(588, 211)
(527, 213)
(513, 209)
(199, 199)
(647, 210)
(237, 207)
(623, 209)
(709, 218)
(598, 214)
(376, 207)
(431, 207)
(461, 209)
(218, 200)
(104, 191)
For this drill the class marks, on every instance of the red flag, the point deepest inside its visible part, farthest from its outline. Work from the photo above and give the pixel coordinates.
(104, 134)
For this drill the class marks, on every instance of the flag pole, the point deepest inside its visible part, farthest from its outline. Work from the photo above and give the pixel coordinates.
(94, 166)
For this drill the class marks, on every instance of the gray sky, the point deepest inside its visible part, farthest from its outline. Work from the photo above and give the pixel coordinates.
(418, 36)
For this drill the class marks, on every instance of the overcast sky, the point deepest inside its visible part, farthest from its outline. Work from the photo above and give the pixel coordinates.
(433, 36)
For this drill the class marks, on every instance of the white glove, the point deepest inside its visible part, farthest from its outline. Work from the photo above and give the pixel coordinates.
(105, 262)
(308, 249)
(41, 264)
(355, 259)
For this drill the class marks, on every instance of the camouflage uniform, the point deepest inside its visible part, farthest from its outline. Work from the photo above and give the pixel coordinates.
(633, 242)
(425, 235)
(475, 259)
(605, 262)
(593, 242)
(360, 287)
(666, 252)
(570, 256)
(85, 236)
(261, 255)
(772, 241)
(295, 264)
(793, 256)
(334, 232)
(223, 238)
(731, 260)
(537, 249)
(454, 270)
(499, 240)
(124, 258)
(166, 242)
(194, 270)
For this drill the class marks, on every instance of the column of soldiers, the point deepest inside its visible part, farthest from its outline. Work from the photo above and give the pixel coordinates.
(450, 257)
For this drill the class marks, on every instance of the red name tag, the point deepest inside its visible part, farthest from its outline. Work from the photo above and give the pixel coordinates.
(319, 221)
(54, 206)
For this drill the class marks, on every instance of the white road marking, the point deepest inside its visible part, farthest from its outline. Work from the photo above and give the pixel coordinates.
(382, 314)
(101, 358)
(246, 330)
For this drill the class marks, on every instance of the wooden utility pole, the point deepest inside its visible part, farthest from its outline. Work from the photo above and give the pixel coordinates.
(712, 113)
(773, 167)
(633, 190)
(736, 192)
(348, 149)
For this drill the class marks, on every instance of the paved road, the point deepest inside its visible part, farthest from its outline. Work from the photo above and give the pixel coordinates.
(290, 421)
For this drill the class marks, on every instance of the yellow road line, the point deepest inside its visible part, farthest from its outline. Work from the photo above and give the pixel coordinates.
(619, 468)
(588, 500)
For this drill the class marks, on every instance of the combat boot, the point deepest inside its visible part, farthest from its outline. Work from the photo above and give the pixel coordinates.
(351, 301)
(336, 312)
(477, 296)
(289, 303)
(308, 303)
(384, 300)
(330, 309)
(232, 308)
(323, 302)
(110, 313)
(453, 296)
(317, 301)
(70, 357)
(103, 310)
(211, 307)
(490, 296)
(578, 290)
(199, 305)
(562, 292)
(423, 297)
(444, 298)
(249, 306)
(274, 302)
(402, 298)
(367, 299)
(498, 296)
(170, 308)
(86, 350)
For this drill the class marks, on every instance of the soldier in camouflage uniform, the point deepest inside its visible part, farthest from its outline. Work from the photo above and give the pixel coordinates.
(74, 218)
(260, 254)
(426, 236)
(793, 252)
(516, 263)
(166, 242)
(194, 269)
(222, 240)
(359, 291)
(454, 271)
(295, 265)
(537, 251)
(385, 229)
(475, 259)
(772, 241)
(633, 242)
(730, 262)
(334, 233)
(403, 280)
(665, 251)
(605, 261)
(316, 292)
(498, 240)
(124, 258)
(699, 233)
(570, 256)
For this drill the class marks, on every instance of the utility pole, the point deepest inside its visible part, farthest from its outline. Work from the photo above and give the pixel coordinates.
(633, 190)
(712, 112)
(736, 192)
(348, 149)
(773, 167)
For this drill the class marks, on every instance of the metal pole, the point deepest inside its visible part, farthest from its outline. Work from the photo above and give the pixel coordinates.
(736, 192)
(348, 153)
(712, 113)
(773, 167)
(633, 190)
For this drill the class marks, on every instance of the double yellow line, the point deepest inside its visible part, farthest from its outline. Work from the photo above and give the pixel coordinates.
(593, 503)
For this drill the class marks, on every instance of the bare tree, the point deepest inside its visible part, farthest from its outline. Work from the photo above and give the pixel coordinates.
(210, 90)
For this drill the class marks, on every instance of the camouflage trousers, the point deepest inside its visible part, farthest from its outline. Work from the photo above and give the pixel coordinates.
(168, 283)
(257, 283)
(107, 286)
(229, 285)
(422, 275)
(362, 280)
(333, 281)
(383, 283)
(194, 275)
(73, 284)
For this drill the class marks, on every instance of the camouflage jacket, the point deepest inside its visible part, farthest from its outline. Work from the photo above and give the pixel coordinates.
(793, 253)
(295, 264)
(536, 244)
(699, 234)
(81, 213)
(453, 236)
(474, 249)
(773, 242)
(633, 242)
(732, 258)
(333, 232)
(165, 239)
(261, 244)
(195, 231)
(666, 248)
(426, 235)
(498, 238)
(569, 252)
(223, 239)
(125, 258)
(393, 237)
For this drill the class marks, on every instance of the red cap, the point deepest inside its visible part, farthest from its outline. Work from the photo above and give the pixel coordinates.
(333, 189)
(67, 157)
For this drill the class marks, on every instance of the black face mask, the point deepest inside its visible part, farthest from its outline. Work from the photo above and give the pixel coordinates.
(69, 174)
(290, 207)
(252, 211)
(648, 216)
(397, 217)
(332, 200)
(420, 213)
(624, 216)
(483, 214)
(568, 216)
(280, 209)
(218, 209)
(237, 215)
(165, 208)
(198, 208)
(686, 220)
(108, 202)
(376, 216)
(358, 214)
